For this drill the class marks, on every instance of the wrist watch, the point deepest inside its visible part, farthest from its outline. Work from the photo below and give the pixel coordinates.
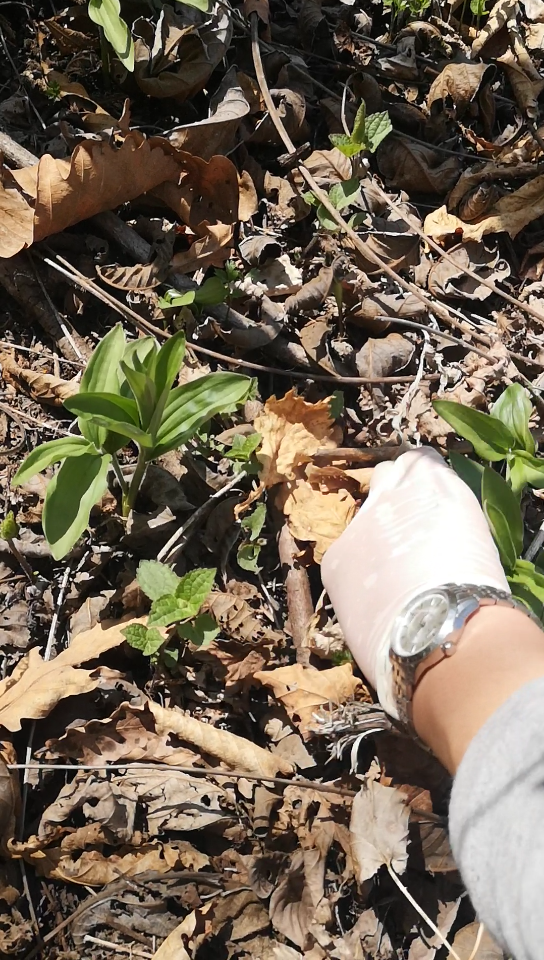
(430, 627)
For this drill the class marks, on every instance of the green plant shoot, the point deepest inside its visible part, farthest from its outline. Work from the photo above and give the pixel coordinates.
(367, 134)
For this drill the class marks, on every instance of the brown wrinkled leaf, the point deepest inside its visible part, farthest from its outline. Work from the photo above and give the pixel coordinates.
(318, 514)
(299, 895)
(391, 240)
(379, 830)
(97, 177)
(236, 610)
(427, 948)
(415, 168)
(465, 941)
(446, 280)
(460, 82)
(217, 134)
(206, 195)
(237, 752)
(312, 294)
(384, 357)
(36, 685)
(303, 690)
(16, 220)
(526, 86)
(292, 431)
(142, 276)
(237, 915)
(509, 215)
(41, 386)
(326, 166)
(210, 250)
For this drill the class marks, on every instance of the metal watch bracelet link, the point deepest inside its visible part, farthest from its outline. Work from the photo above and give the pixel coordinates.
(465, 599)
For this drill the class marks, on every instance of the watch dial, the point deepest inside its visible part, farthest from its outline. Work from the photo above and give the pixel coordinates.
(422, 623)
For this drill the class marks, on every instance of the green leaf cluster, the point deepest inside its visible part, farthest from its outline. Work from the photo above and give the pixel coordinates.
(249, 550)
(367, 134)
(215, 290)
(341, 195)
(127, 393)
(175, 600)
(107, 15)
(502, 436)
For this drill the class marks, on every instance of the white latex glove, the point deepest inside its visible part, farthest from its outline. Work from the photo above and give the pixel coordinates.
(420, 527)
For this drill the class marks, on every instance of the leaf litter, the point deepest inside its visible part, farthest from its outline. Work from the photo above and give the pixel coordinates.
(321, 197)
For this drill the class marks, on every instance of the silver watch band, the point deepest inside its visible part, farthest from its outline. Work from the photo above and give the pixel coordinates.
(467, 598)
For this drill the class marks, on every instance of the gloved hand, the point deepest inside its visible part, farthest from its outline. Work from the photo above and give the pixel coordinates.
(420, 527)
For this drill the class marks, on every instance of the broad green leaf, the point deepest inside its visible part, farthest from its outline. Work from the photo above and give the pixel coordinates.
(255, 521)
(248, 556)
(469, 471)
(325, 219)
(378, 126)
(201, 631)
(144, 391)
(116, 413)
(524, 468)
(188, 407)
(156, 579)
(139, 355)
(503, 513)
(106, 13)
(345, 144)
(243, 447)
(194, 587)
(343, 193)
(141, 638)
(199, 4)
(169, 362)
(9, 528)
(51, 452)
(179, 300)
(310, 198)
(527, 584)
(71, 494)
(359, 124)
(513, 408)
(167, 610)
(491, 439)
(212, 292)
(102, 376)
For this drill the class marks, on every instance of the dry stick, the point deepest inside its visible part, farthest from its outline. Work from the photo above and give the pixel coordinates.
(299, 597)
(437, 308)
(146, 327)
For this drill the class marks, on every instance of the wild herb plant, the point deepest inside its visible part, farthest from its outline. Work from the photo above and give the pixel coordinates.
(502, 437)
(367, 134)
(126, 394)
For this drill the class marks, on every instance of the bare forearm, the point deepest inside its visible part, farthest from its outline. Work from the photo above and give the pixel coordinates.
(500, 651)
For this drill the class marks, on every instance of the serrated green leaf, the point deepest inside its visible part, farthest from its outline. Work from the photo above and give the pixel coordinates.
(106, 13)
(254, 522)
(143, 639)
(156, 579)
(310, 198)
(165, 611)
(343, 193)
(9, 528)
(248, 556)
(189, 407)
(378, 127)
(491, 439)
(51, 452)
(503, 513)
(326, 220)
(202, 631)
(71, 494)
(345, 144)
(194, 587)
(469, 471)
(513, 408)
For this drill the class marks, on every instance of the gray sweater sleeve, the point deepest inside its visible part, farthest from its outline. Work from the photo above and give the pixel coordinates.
(497, 822)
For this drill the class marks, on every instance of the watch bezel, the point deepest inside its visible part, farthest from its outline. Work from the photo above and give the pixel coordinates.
(454, 619)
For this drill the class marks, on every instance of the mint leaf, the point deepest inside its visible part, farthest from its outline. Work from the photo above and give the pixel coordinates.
(358, 134)
(165, 611)
(344, 193)
(347, 145)
(202, 631)
(156, 579)
(194, 588)
(139, 637)
(248, 555)
(254, 522)
(243, 447)
(378, 126)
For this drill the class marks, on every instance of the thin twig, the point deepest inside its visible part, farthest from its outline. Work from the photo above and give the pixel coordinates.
(422, 913)
(170, 551)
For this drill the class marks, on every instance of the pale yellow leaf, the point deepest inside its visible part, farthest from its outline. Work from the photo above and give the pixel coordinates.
(379, 830)
(317, 515)
(303, 690)
(292, 431)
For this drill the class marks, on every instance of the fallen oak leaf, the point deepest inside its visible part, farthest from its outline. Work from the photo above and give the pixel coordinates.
(216, 135)
(16, 220)
(303, 690)
(316, 515)
(237, 752)
(37, 685)
(292, 431)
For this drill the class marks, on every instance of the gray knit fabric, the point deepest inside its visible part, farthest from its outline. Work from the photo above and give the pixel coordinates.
(497, 823)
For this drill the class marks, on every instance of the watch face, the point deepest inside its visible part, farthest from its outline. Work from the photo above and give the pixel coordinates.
(420, 624)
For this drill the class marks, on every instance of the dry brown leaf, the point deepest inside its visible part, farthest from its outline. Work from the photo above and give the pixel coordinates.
(465, 941)
(295, 902)
(447, 280)
(237, 752)
(379, 830)
(384, 357)
(41, 386)
(36, 685)
(292, 431)
(207, 194)
(9, 802)
(92, 868)
(303, 690)
(326, 166)
(460, 82)
(317, 514)
(509, 215)
(312, 294)
(415, 168)
(97, 177)
(142, 276)
(391, 240)
(236, 915)
(217, 134)
(16, 220)
(526, 86)
(210, 250)
(236, 610)
(427, 948)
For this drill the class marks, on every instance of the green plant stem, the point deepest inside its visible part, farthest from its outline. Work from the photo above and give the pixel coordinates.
(119, 474)
(105, 57)
(129, 499)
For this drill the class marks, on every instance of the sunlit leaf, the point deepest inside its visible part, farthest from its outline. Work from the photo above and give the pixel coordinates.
(491, 439)
(51, 452)
(156, 579)
(513, 408)
(71, 494)
(107, 14)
